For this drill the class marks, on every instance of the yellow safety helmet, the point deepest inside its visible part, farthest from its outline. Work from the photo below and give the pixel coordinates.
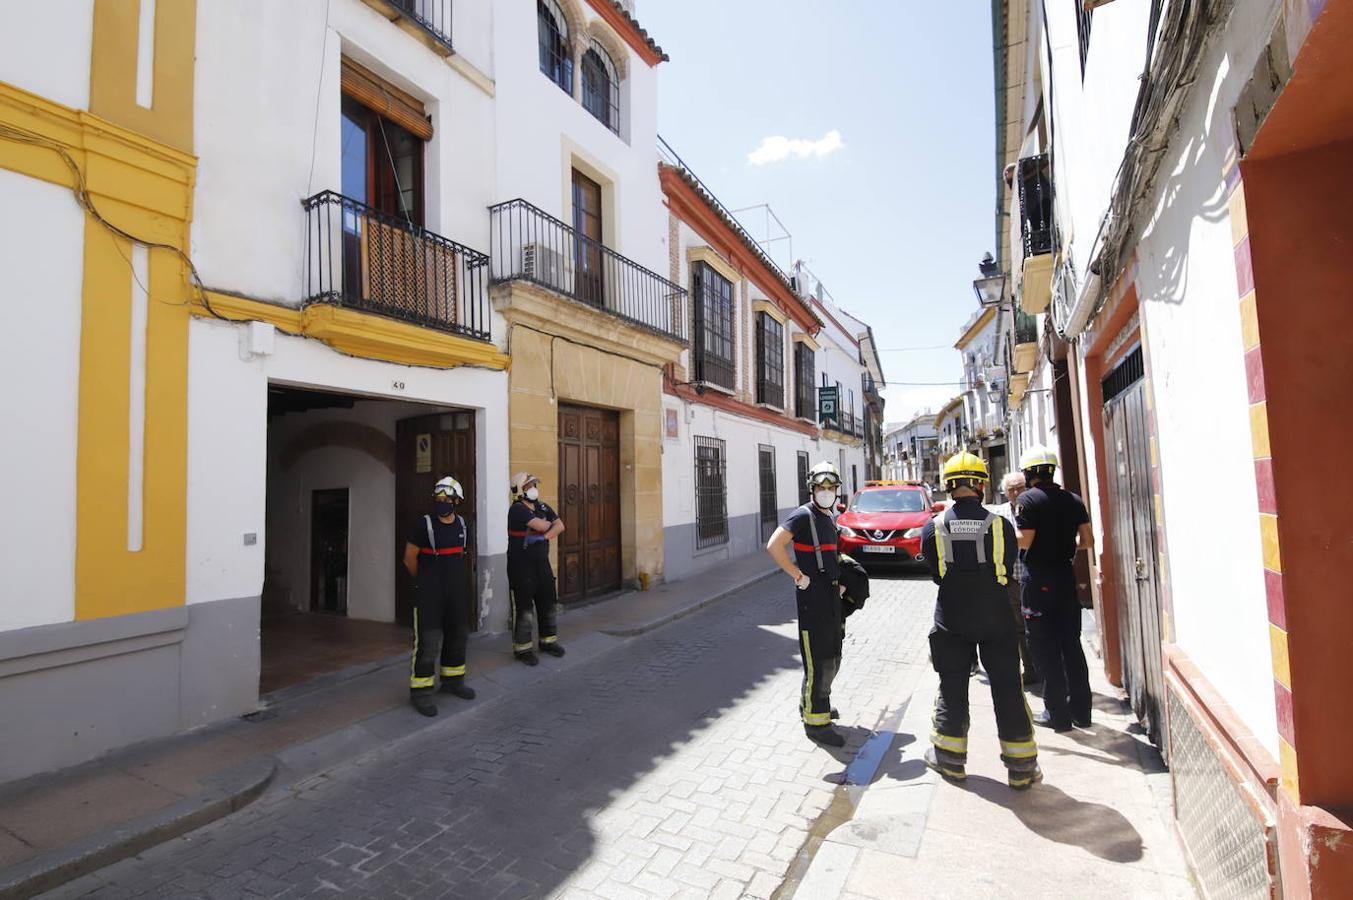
(963, 469)
(823, 473)
(1037, 457)
(520, 481)
(449, 489)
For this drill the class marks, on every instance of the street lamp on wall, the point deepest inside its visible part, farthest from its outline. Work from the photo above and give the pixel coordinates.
(991, 286)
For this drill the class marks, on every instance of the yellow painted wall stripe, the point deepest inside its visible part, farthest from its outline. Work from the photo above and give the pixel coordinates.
(1268, 533)
(1287, 758)
(1282, 668)
(1240, 225)
(1249, 322)
(1259, 430)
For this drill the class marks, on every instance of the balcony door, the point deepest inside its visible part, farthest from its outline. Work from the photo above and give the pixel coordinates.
(587, 256)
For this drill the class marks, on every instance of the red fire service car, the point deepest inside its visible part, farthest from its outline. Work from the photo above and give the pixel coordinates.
(884, 520)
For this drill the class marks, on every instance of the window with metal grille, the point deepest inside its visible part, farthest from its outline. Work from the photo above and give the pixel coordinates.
(1124, 375)
(711, 493)
(770, 361)
(552, 31)
(803, 477)
(770, 513)
(601, 87)
(805, 406)
(712, 300)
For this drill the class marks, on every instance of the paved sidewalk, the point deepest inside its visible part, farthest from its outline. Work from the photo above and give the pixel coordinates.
(1098, 826)
(58, 826)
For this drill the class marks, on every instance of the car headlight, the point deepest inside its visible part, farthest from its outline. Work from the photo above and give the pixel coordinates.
(846, 530)
(913, 532)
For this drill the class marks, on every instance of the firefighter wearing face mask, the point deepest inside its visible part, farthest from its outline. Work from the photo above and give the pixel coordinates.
(815, 570)
(435, 556)
(969, 551)
(531, 525)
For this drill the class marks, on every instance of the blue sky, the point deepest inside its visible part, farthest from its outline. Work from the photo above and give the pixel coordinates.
(895, 218)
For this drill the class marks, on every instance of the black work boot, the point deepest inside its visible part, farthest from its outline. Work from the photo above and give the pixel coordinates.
(457, 687)
(950, 771)
(825, 735)
(527, 656)
(836, 714)
(423, 703)
(552, 648)
(1022, 781)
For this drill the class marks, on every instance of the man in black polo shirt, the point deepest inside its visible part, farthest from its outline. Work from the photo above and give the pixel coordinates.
(1053, 524)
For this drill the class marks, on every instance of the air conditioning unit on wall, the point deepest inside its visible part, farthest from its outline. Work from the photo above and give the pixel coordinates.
(542, 264)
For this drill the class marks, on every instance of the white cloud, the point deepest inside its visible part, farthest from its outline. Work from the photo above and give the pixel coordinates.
(778, 147)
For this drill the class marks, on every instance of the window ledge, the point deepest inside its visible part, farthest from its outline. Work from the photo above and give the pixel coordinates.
(718, 388)
(771, 406)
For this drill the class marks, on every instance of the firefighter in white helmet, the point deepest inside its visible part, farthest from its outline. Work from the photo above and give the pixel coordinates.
(435, 555)
(531, 525)
(1053, 525)
(815, 570)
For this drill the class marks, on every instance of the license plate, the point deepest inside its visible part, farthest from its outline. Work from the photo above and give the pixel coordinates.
(878, 548)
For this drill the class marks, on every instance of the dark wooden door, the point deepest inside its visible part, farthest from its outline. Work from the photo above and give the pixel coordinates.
(589, 502)
(1130, 498)
(429, 448)
(329, 551)
(587, 255)
(770, 513)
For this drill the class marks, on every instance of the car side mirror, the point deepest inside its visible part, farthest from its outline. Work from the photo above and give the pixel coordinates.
(840, 507)
(936, 508)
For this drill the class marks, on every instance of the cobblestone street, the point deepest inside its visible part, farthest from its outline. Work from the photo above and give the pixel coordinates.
(673, 765)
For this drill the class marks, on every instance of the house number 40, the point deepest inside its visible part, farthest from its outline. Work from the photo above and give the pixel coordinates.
(397, 385)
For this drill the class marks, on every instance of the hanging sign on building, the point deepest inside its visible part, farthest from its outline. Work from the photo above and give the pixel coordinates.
(828, 407)
(422, 453)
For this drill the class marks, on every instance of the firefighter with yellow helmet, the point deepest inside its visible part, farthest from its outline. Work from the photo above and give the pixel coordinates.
(970, 552)
(435, 555)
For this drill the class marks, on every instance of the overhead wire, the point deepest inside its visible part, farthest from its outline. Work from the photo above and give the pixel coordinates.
(86, 202)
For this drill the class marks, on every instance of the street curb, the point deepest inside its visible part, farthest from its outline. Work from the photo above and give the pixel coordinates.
(232, 791)
(671, 617)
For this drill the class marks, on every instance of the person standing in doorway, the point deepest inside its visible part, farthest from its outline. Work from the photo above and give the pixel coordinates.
(967, 548)
(435, 557)
(1053, 525)
(1012, 485)
(531, 525)
(815, 570)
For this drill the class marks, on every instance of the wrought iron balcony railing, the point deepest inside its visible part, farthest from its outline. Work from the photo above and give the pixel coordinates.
(365, 259)
(529, 244)
(1026, 327)
(1034, 181)
(433, 16)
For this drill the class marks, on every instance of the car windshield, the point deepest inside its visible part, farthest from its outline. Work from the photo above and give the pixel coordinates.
(889, 501)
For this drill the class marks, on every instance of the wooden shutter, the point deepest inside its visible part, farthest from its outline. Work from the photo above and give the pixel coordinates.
(375, 93)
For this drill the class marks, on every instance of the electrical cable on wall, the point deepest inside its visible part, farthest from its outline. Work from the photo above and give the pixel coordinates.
(86, 202)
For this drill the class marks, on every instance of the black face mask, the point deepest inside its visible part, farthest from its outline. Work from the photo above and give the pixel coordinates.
(444, 507)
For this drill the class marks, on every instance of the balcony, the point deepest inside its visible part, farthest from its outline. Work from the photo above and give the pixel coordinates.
(529, 244)
(360, 258)
(1025, 343)
(431, 18)
(1033, 177)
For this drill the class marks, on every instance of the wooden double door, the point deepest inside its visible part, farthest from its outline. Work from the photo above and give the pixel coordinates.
(427, 449)
(589, 502)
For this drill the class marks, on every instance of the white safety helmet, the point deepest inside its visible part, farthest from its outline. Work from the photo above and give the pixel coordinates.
(520, 482)
(822, 473)
(1038, 458)
(449, 489)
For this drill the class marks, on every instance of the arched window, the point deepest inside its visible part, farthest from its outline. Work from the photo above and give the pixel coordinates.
(555, 60)
(601, 87)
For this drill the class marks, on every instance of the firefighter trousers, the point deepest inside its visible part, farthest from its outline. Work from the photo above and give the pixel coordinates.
(534, 598)
(1053, 618)
(820, 635)
(441, 629)
(951, 654)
